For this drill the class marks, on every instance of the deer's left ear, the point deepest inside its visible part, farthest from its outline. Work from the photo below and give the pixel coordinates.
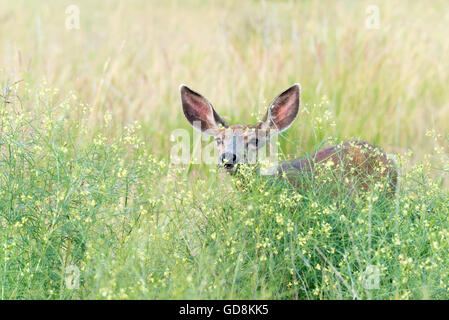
(283, 110)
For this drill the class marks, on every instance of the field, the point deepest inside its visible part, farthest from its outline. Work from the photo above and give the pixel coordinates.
(91, 207)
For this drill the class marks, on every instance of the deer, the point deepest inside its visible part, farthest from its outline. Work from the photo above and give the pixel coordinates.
(360, 165)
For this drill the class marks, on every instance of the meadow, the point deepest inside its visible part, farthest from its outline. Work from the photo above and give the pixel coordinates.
(91, 206)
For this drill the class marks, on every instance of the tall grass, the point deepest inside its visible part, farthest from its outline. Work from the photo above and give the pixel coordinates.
(84, 186)
(386, 85)
(136, 227)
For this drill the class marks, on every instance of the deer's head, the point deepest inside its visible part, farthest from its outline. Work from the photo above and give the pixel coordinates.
(240, 143)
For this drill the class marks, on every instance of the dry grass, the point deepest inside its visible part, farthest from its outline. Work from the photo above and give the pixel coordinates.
(388, 86)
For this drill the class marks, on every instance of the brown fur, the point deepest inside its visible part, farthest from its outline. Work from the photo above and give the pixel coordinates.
(358, 164)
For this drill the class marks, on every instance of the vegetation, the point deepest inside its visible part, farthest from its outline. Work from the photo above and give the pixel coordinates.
(84, 187)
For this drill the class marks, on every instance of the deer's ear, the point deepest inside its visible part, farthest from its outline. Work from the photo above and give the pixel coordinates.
(283, 110)
(199, 112)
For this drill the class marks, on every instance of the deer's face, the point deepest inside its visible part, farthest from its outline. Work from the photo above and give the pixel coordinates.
(240, 143)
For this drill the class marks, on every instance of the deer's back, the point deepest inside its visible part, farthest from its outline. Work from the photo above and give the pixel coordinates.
(357, 164)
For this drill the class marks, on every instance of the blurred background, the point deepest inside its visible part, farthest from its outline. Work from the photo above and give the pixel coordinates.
(372, 70)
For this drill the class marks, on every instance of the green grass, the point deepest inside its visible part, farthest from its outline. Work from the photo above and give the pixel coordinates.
(137, 227)
(83, 185)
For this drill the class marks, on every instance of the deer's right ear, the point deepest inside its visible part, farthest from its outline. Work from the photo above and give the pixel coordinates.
(199, 112)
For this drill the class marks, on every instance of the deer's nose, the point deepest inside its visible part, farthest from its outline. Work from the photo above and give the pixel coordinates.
(228, 159)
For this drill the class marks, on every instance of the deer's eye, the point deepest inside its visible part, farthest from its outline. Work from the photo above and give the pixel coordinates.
(254, 142)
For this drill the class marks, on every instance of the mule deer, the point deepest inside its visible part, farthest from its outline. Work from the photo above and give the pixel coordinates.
(360, 164)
